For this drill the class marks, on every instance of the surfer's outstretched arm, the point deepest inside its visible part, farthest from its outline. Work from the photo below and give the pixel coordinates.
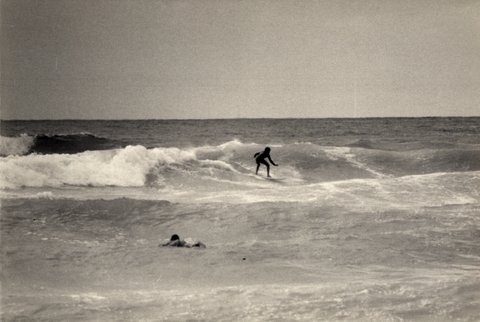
(271, 161)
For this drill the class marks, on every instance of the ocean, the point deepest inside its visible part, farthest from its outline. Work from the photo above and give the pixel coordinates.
(363, 220)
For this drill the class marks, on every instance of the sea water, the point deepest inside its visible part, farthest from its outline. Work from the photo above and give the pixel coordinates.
(363, 219)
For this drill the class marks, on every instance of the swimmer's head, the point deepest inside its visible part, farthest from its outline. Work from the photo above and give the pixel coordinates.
(174, 237)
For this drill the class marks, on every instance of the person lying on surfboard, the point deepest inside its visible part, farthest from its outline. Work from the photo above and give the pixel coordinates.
(175, 241)
(260, 159)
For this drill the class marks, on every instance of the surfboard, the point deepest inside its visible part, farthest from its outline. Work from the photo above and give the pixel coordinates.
(262, 177)
(274, 179)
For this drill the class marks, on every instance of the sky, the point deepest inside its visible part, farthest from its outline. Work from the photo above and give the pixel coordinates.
(153, 59)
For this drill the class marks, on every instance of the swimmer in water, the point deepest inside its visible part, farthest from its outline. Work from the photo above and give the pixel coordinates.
(175, 241)
(260, 159)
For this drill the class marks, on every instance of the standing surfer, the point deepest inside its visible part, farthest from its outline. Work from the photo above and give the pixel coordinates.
(260, 159)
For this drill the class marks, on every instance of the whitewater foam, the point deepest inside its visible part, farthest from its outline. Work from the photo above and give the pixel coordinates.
(346, 153)
(120, 167)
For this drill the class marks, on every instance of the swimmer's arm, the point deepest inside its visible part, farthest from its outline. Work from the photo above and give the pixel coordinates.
(175, 243)
(199, 244)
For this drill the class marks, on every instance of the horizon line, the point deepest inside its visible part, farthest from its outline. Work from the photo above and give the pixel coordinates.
(241, 118)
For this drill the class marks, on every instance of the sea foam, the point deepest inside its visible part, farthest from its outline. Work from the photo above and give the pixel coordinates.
(119, 167)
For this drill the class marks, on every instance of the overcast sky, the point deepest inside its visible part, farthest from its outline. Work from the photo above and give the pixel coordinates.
(220, 59)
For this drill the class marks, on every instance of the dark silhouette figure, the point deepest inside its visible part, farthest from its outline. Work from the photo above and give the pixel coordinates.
(260, 159)
(175, 241)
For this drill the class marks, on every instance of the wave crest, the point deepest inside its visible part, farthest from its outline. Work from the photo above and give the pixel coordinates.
(16, 145)
(230, 163)
(122, 167)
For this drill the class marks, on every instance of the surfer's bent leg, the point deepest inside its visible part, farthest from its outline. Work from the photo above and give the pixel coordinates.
(266, 164)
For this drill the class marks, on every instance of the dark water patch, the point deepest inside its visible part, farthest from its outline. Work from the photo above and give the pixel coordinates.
(70, 143)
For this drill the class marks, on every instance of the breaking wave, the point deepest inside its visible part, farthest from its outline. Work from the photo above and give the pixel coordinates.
(229, 163)
(16, 145)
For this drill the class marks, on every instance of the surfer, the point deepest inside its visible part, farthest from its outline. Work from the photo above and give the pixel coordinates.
(175, 241)
(260, 159)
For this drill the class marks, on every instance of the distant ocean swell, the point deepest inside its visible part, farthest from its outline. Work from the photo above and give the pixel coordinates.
(56, 143)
